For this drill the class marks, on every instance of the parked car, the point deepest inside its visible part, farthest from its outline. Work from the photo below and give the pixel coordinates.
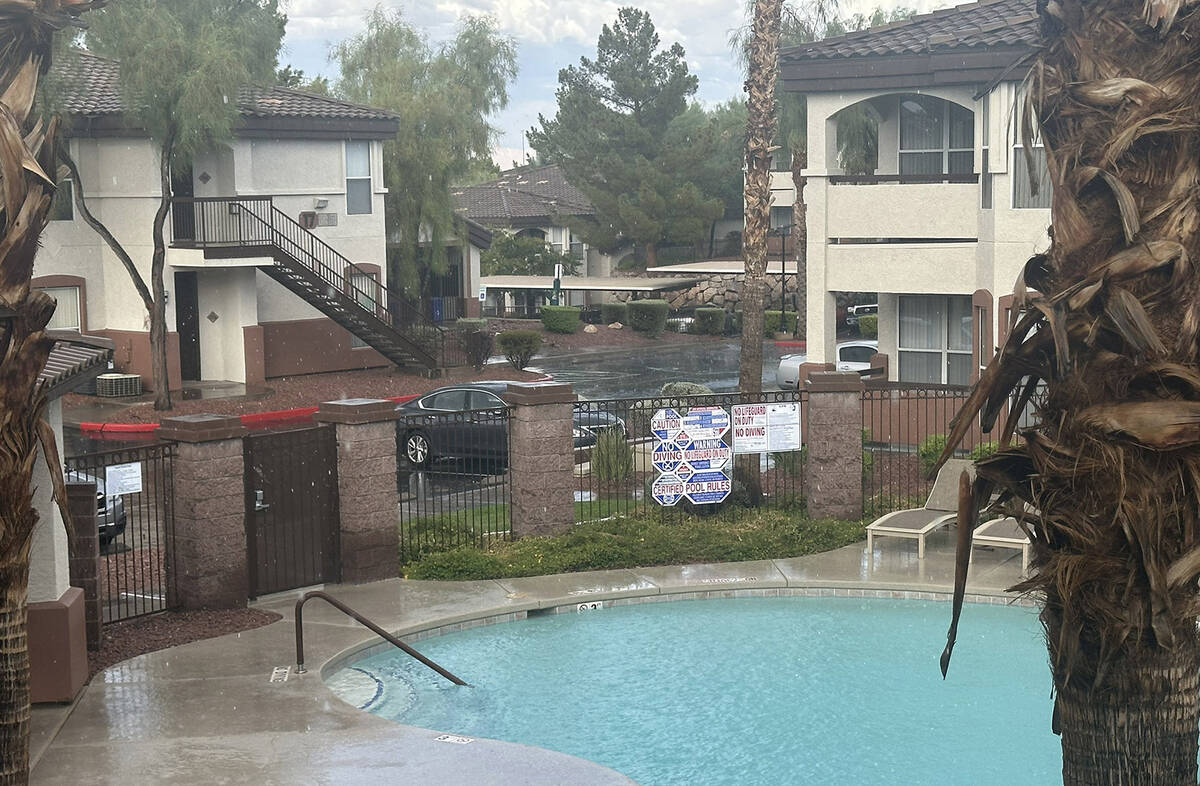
(110, 508)
(854, 312)
(851, 356)
(465, 423)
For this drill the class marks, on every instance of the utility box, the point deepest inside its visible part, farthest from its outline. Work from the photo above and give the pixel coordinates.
(118, 385)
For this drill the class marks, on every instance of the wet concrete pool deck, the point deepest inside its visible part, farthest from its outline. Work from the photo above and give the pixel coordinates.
(208, 712)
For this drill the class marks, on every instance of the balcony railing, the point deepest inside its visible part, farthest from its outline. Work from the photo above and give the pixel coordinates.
(867, 180)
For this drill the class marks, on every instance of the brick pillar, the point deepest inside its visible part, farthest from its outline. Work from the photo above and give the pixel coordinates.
(367, 498)
(834, 439)
(541, 456)
(85, 556)
(208, 535)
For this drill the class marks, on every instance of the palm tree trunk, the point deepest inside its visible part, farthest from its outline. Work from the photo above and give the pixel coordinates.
(761, 124)
(1109, 476)
(14, 668)
(800, 237)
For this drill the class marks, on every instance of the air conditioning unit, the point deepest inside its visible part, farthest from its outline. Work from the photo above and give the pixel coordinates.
(308, 219)
(117, 385)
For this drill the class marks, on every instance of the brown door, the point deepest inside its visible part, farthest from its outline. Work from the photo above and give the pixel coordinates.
(292, 509)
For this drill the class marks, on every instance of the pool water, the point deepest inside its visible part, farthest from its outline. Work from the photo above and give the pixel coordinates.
(745, 690)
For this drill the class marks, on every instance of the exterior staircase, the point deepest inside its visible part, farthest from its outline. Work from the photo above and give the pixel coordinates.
(384, 319)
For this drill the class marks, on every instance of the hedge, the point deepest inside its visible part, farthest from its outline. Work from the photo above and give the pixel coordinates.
(519, 346)
(560, 319)
(709, 321)
(771, 322)
(614, 312)
(868, 326)
(648, 316)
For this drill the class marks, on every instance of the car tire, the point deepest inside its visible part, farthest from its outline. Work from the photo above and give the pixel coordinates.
(417, 449)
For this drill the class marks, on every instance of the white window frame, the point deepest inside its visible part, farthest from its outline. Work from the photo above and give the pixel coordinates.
(358, 179)
(945, 149)
(78, 321)
(943, 331)
(1018, 160)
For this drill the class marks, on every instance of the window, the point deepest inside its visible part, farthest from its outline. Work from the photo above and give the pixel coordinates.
(67, 316)
(62, 208)
(936, 137)
(358, 177)
(1023, 196)
(855, 354)
(985, 177)
(450, 401)
(935, 339)
(781, 216)
(481, 399)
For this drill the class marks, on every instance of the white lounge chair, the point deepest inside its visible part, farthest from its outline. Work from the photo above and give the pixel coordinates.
(940, 510)
(1003, 533)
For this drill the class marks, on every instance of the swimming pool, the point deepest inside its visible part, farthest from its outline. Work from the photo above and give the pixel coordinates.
(786, 690)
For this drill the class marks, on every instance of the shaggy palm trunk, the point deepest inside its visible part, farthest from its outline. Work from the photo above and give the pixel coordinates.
(800, 237)
(27, 174)
(1109, 317)
(761, 123)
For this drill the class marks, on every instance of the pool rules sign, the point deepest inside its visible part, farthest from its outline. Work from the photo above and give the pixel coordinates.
(691, 456)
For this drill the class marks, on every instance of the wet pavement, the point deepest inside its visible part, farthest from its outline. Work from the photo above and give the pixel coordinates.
(632, 373)
(230, 710)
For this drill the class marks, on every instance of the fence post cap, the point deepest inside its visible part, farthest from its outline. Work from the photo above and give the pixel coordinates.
(834, 382)
(201, 428)
(356, 411)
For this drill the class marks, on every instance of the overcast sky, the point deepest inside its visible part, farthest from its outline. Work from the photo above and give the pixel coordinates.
(550, 34)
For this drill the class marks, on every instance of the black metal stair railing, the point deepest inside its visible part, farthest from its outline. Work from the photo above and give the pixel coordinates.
(233, 223)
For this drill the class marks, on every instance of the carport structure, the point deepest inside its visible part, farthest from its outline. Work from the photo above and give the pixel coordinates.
(637, 287)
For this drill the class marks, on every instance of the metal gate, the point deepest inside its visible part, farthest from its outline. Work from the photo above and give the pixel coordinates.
(135, 516)
(292, 509)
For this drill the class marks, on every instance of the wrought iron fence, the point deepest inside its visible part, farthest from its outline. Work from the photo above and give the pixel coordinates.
(904, 430)
(453, 477)
(619, 457)
(135, 515)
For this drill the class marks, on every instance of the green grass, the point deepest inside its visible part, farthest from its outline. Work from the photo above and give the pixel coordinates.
(642, 541)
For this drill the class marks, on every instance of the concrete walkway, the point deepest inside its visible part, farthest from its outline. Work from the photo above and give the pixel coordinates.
(209, 712)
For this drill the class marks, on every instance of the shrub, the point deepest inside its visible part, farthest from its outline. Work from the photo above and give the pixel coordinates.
(519, 346)
(771, 322)
(983, 450)
(477, 345)
(648, 316)
(868, 326)
(928, 451)
(709, 321)
(560, 319)
(614, 312)
(467, 324)
(685, 389)
(612, 456)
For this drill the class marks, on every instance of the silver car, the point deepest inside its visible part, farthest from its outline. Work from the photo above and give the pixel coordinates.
(851, 356)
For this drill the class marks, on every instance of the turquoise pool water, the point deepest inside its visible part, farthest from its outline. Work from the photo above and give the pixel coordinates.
(746, 691)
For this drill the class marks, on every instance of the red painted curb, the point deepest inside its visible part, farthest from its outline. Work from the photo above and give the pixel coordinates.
(249, 420)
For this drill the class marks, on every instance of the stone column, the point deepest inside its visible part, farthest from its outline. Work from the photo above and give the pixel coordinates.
(834, 439)
(367, 498)
(208, 534)
(541, 457)
(85, 556)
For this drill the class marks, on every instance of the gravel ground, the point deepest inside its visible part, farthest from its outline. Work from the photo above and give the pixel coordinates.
(124, 640)
(306, 391)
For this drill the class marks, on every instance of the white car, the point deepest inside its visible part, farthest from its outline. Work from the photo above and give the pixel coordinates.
(851, 356)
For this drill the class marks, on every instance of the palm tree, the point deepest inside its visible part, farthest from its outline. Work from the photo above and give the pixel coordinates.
(1108, 319)
(27, 176)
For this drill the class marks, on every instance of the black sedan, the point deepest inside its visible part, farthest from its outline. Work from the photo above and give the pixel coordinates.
(469, 424)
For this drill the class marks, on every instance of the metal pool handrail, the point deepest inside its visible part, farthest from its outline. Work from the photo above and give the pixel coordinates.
(378, 631)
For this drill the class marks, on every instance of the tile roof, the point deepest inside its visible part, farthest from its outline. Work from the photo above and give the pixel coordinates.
(91, 87)
(73, 360)
(991, 23)
(520, 194)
